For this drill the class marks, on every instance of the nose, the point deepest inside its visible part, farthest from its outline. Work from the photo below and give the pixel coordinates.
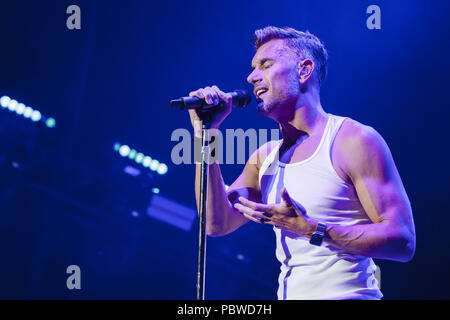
(253, 77)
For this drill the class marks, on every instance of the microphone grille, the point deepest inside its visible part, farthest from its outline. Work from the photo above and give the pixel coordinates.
(243, 98)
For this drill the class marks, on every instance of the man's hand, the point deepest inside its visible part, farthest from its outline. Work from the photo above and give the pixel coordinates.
(284, 215)
(213, 96)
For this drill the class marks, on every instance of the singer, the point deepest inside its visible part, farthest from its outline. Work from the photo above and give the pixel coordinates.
(329, 187)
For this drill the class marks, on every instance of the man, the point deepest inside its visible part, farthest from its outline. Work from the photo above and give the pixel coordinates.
(330, 187)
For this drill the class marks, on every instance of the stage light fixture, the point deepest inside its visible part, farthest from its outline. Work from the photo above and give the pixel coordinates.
(116, 147)
(50, 122)
(36, 116)
(140, 158)
(132, 154)
(12, 105)
(171, 212)
(154, 165)
(26, 111)
(124, 150)
(162, 168)
(20, 109)
(155, 190)
(147, 161)
(4, 101)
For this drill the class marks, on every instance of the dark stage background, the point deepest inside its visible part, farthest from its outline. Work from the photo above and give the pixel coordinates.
(66, 200)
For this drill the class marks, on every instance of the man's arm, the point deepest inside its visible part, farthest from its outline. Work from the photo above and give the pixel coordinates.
(367, 160)
(222, 217)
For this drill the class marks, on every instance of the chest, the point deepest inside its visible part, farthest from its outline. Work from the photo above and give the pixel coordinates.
(300, 151)
(305, 149)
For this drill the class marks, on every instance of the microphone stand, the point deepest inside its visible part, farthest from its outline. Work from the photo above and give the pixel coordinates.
(240, 99)
(201, 257)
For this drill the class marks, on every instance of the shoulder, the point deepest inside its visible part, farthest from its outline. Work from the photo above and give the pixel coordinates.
(354, 132)
(260, 155)
(360, 147)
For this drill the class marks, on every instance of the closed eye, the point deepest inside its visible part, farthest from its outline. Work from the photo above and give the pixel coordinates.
(267, 64)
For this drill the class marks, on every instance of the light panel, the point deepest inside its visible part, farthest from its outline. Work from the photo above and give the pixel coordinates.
(20, 109)
(144, 160)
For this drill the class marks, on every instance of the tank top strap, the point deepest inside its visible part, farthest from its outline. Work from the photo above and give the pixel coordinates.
(332, 129)
(267, 167)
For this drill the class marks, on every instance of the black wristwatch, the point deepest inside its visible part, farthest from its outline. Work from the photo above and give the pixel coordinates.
(319, 234)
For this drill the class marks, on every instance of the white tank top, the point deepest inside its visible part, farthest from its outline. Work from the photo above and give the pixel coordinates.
(307, 271)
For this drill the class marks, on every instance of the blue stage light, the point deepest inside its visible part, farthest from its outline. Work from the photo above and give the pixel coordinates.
(147, 161)
(162, 168)
(116, 146)
(12, 105)
(50, 122)
(135, 214)
(155, 190)
(132, 154)
(27, 112)
(154, 165)
(132, 171)
(171, 212)
(124, 150)
(20, 109)
(4, 101)
(139, 157)
(36, 116)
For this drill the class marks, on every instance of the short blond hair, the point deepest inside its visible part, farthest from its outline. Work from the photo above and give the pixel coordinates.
(305, 45)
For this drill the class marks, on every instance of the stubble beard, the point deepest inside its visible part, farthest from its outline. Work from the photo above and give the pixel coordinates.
(264, 108)
(273, 109)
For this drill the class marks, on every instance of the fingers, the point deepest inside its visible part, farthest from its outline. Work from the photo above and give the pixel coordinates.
(267, 208)
(212, 95)
(250, 213)
(197, 93)
(226, 97)
(208, 93)
(251, 210)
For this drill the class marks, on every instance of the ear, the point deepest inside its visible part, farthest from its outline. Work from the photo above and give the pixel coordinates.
(305, 70)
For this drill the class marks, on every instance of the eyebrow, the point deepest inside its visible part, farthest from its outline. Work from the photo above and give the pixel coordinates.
(262, 61)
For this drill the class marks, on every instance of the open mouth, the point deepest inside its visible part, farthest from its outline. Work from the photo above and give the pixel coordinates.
(260, 92)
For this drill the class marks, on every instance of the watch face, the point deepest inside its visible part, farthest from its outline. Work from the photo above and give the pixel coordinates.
(316, 239)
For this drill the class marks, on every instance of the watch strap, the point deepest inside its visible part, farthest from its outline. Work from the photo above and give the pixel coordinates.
(321, 227)
(319, 234)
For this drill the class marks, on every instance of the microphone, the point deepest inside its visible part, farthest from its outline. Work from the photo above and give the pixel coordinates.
(240, 98)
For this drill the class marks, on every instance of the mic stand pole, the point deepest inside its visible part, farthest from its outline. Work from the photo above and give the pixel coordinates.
(201, 259)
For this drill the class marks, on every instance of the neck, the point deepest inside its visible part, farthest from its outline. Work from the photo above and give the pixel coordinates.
(309, 117)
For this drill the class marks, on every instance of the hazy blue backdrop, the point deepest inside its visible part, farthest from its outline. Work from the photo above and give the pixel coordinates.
(65, 200)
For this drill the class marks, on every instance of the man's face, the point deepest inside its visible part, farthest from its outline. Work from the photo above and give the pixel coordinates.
(275, 79)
